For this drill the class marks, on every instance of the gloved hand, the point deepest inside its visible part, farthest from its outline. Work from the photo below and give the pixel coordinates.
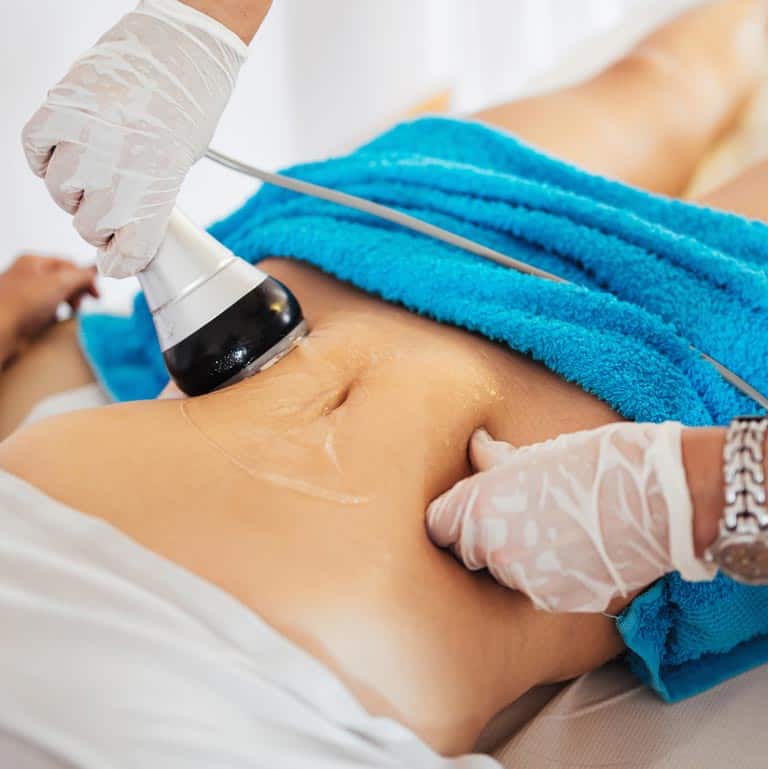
(116, 137)
(576, 521)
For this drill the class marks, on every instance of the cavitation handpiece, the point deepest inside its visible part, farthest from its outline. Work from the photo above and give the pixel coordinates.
(218, 318)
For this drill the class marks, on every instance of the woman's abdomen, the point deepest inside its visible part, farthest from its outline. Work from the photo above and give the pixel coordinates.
(302, 493)
(349, 438)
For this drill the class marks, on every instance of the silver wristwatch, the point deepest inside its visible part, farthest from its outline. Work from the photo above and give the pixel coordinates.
(741, 549)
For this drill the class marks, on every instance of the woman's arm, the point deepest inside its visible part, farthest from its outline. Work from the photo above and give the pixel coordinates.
(243, 17)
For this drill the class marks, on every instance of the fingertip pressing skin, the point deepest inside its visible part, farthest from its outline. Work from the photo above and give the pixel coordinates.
(485, 452)
(577, 521)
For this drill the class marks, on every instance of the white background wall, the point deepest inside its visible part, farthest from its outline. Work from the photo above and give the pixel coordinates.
(323, 75)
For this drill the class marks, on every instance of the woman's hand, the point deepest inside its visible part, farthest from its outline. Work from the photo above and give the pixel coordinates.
(116, 137)
(31, 291)
(577, 521)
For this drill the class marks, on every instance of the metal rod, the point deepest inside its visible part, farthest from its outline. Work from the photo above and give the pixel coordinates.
(438, 233)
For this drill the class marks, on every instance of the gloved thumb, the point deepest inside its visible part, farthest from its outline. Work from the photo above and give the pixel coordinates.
(485, 452)
(132, 247)
(451, 520)
(451, 513)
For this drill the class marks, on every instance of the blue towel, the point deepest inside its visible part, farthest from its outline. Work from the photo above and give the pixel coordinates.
(654, 275)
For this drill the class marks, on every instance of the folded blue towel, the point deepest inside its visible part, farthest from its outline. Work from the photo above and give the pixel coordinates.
(654, 275)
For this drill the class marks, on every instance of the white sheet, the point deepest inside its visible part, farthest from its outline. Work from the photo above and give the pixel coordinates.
(607, 719)
(114, 657)
(88, 396)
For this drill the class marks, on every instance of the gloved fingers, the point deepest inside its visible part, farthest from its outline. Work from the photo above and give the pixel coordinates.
(102, 219)
(483, 535)
(46, 130)
(446, 514)
(485, 452)
(91, 216)
(132, 247)
(574, 521)
(165, 72)
(456, 519)
(552, 580)
(513, 574)
(61, 173)
(36, 141)
(474, 514)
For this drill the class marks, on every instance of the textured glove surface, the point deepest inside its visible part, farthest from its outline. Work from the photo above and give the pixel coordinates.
(576, 521)
(116, 137)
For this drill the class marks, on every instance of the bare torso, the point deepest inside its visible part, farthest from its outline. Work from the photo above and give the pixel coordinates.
(302, 492)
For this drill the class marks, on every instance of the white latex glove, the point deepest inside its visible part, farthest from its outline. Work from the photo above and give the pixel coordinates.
(576, 521)
(116, 137)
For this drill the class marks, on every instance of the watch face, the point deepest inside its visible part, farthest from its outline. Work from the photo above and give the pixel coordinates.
(744, 560)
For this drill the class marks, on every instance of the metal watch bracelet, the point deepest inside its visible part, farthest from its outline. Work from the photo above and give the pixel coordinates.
(741, 549)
